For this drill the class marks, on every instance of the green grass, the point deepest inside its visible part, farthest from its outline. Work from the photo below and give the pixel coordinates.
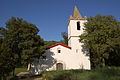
(17, 70)
(97, 74)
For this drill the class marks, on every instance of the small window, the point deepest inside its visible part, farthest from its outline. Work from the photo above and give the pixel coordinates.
(78, 25)
(59, 51)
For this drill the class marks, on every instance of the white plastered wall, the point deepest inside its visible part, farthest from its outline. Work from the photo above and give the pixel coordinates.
(77, 50)
(67, 58)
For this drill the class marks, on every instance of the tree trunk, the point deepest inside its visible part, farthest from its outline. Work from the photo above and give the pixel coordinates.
(28, 68)
(13, 72)
(4, 77)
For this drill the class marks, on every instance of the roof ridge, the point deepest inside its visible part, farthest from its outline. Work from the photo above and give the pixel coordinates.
(59, 44)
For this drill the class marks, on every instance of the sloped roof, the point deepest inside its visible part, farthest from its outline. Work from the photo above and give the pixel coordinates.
(59, 44)
(76, 15)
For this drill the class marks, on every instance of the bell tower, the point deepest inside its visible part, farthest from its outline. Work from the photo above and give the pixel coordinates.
(75, 29)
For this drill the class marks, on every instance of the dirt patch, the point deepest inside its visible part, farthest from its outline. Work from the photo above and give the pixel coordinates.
(27, 76)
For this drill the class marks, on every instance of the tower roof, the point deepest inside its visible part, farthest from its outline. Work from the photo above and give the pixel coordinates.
(76, 14)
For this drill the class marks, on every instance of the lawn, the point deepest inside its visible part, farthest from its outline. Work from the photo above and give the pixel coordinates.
(17, 70)
(97, 74)
(109, 73)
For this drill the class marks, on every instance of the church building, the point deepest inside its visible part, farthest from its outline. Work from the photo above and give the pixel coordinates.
(73, 56)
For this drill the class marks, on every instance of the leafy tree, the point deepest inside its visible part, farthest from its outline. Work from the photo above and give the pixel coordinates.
(65, 38)
(21, 42)
(102, 37)
(6, 57)
(2, 32)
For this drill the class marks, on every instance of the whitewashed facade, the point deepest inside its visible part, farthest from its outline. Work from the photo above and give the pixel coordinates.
(73, 56)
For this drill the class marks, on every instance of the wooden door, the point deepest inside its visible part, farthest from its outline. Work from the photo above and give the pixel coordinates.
(59, 66)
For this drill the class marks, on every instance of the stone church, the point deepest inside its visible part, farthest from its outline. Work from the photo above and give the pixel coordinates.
(63, 57)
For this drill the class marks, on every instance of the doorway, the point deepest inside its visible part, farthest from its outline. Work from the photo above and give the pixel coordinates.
(59, 66)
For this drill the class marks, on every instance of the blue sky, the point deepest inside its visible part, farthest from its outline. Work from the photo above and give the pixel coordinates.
(51, 16)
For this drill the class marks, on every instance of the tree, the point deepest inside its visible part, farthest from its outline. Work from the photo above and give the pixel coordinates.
(21, 41)
(101, 36)
(49, 43)
(6, 57)
(65, 38)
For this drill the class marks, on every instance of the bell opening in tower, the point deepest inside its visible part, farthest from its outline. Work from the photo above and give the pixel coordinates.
(78, 25)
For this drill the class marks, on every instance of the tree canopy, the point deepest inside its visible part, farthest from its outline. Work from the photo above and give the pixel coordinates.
(102, 38)
(65, 38)
(20, 43)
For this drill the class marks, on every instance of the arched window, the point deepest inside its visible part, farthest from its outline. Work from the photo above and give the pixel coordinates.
(59, 66)
(78, 25)
(58, 50)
